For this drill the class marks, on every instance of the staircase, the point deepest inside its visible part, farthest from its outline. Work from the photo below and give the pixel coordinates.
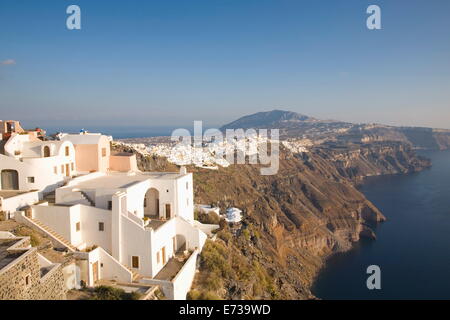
(55, 235)
(87, 198)
(135, 274)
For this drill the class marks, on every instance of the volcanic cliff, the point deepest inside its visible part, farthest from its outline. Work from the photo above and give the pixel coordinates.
(292, 220)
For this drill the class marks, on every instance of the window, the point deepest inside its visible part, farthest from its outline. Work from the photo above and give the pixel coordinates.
(157, 257)
(101, 226)
(67, 152)
(77, 226)
(55, 170)
(109, 205)
(30, 179)
(135, 262)
(72, 166)
(46, 151)
(103, 152)
(27, 280)
(167, 190)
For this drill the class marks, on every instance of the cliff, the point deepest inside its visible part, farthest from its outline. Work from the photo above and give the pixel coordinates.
(292, 220)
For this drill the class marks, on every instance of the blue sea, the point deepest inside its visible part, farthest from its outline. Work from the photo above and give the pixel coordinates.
(412, 247)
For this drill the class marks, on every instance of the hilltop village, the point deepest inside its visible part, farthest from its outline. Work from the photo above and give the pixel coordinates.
(107, 222)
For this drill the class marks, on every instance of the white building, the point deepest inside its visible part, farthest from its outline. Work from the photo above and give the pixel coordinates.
(127, 225)
(28, 163)
(233, 215)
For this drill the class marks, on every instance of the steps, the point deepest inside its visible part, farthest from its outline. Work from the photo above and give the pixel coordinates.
(135, 274)
(87, 198)
(55, 235)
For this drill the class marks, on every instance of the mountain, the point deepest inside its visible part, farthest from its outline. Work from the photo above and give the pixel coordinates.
(270, 119)
(293, 125)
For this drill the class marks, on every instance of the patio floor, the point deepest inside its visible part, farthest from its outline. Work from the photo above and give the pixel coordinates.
(173, 266)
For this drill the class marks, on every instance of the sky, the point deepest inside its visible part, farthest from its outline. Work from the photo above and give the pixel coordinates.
(168, 63)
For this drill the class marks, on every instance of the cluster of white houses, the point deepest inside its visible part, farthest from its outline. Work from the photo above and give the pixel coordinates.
(126, 225)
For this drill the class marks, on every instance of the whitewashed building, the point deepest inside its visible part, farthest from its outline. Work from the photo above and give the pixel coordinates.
(126, 225)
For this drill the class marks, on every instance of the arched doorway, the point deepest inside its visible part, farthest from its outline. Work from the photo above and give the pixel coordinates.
(151, 203)
(10, 180)
(46, 151)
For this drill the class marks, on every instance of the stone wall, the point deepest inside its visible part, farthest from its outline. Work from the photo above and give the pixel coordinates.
(13, 278)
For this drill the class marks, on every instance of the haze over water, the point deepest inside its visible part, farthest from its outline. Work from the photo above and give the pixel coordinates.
(413, 245)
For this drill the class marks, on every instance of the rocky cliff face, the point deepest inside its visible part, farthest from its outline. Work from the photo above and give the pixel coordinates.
(379, 158)
(292, 220)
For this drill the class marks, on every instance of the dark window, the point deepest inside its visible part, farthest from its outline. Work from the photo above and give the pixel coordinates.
(30, 179)
(67, 152)
(27, 280)
(78, 226)
(101, 226)
(46, 151)
(135, 262)
(109, 205)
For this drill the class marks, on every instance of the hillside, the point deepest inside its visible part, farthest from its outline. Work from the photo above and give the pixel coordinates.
(293, 220)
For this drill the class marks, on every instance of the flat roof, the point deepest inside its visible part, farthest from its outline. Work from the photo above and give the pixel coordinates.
(5, 194)
(115, 180)
(7, 257)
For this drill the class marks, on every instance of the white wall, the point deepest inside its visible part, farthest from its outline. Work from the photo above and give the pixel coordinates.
(13, 204)
(167, 195)
(136, 241)
(112, 269)
(42, 169)
(185, 197)
(59, 219)
(162, 237)
(90, 233)
(183, 281)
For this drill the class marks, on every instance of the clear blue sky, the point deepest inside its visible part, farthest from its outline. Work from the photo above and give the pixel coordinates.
(165, 63)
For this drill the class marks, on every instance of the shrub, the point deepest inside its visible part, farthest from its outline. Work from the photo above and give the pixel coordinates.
(208, 218)
(225, 235)
(197, 295)
(111, 293)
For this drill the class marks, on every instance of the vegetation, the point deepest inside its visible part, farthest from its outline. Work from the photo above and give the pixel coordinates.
(207, 218)
(197, 295)
(91, 248)
(111, 293)
(35, 238)
(223, 265)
